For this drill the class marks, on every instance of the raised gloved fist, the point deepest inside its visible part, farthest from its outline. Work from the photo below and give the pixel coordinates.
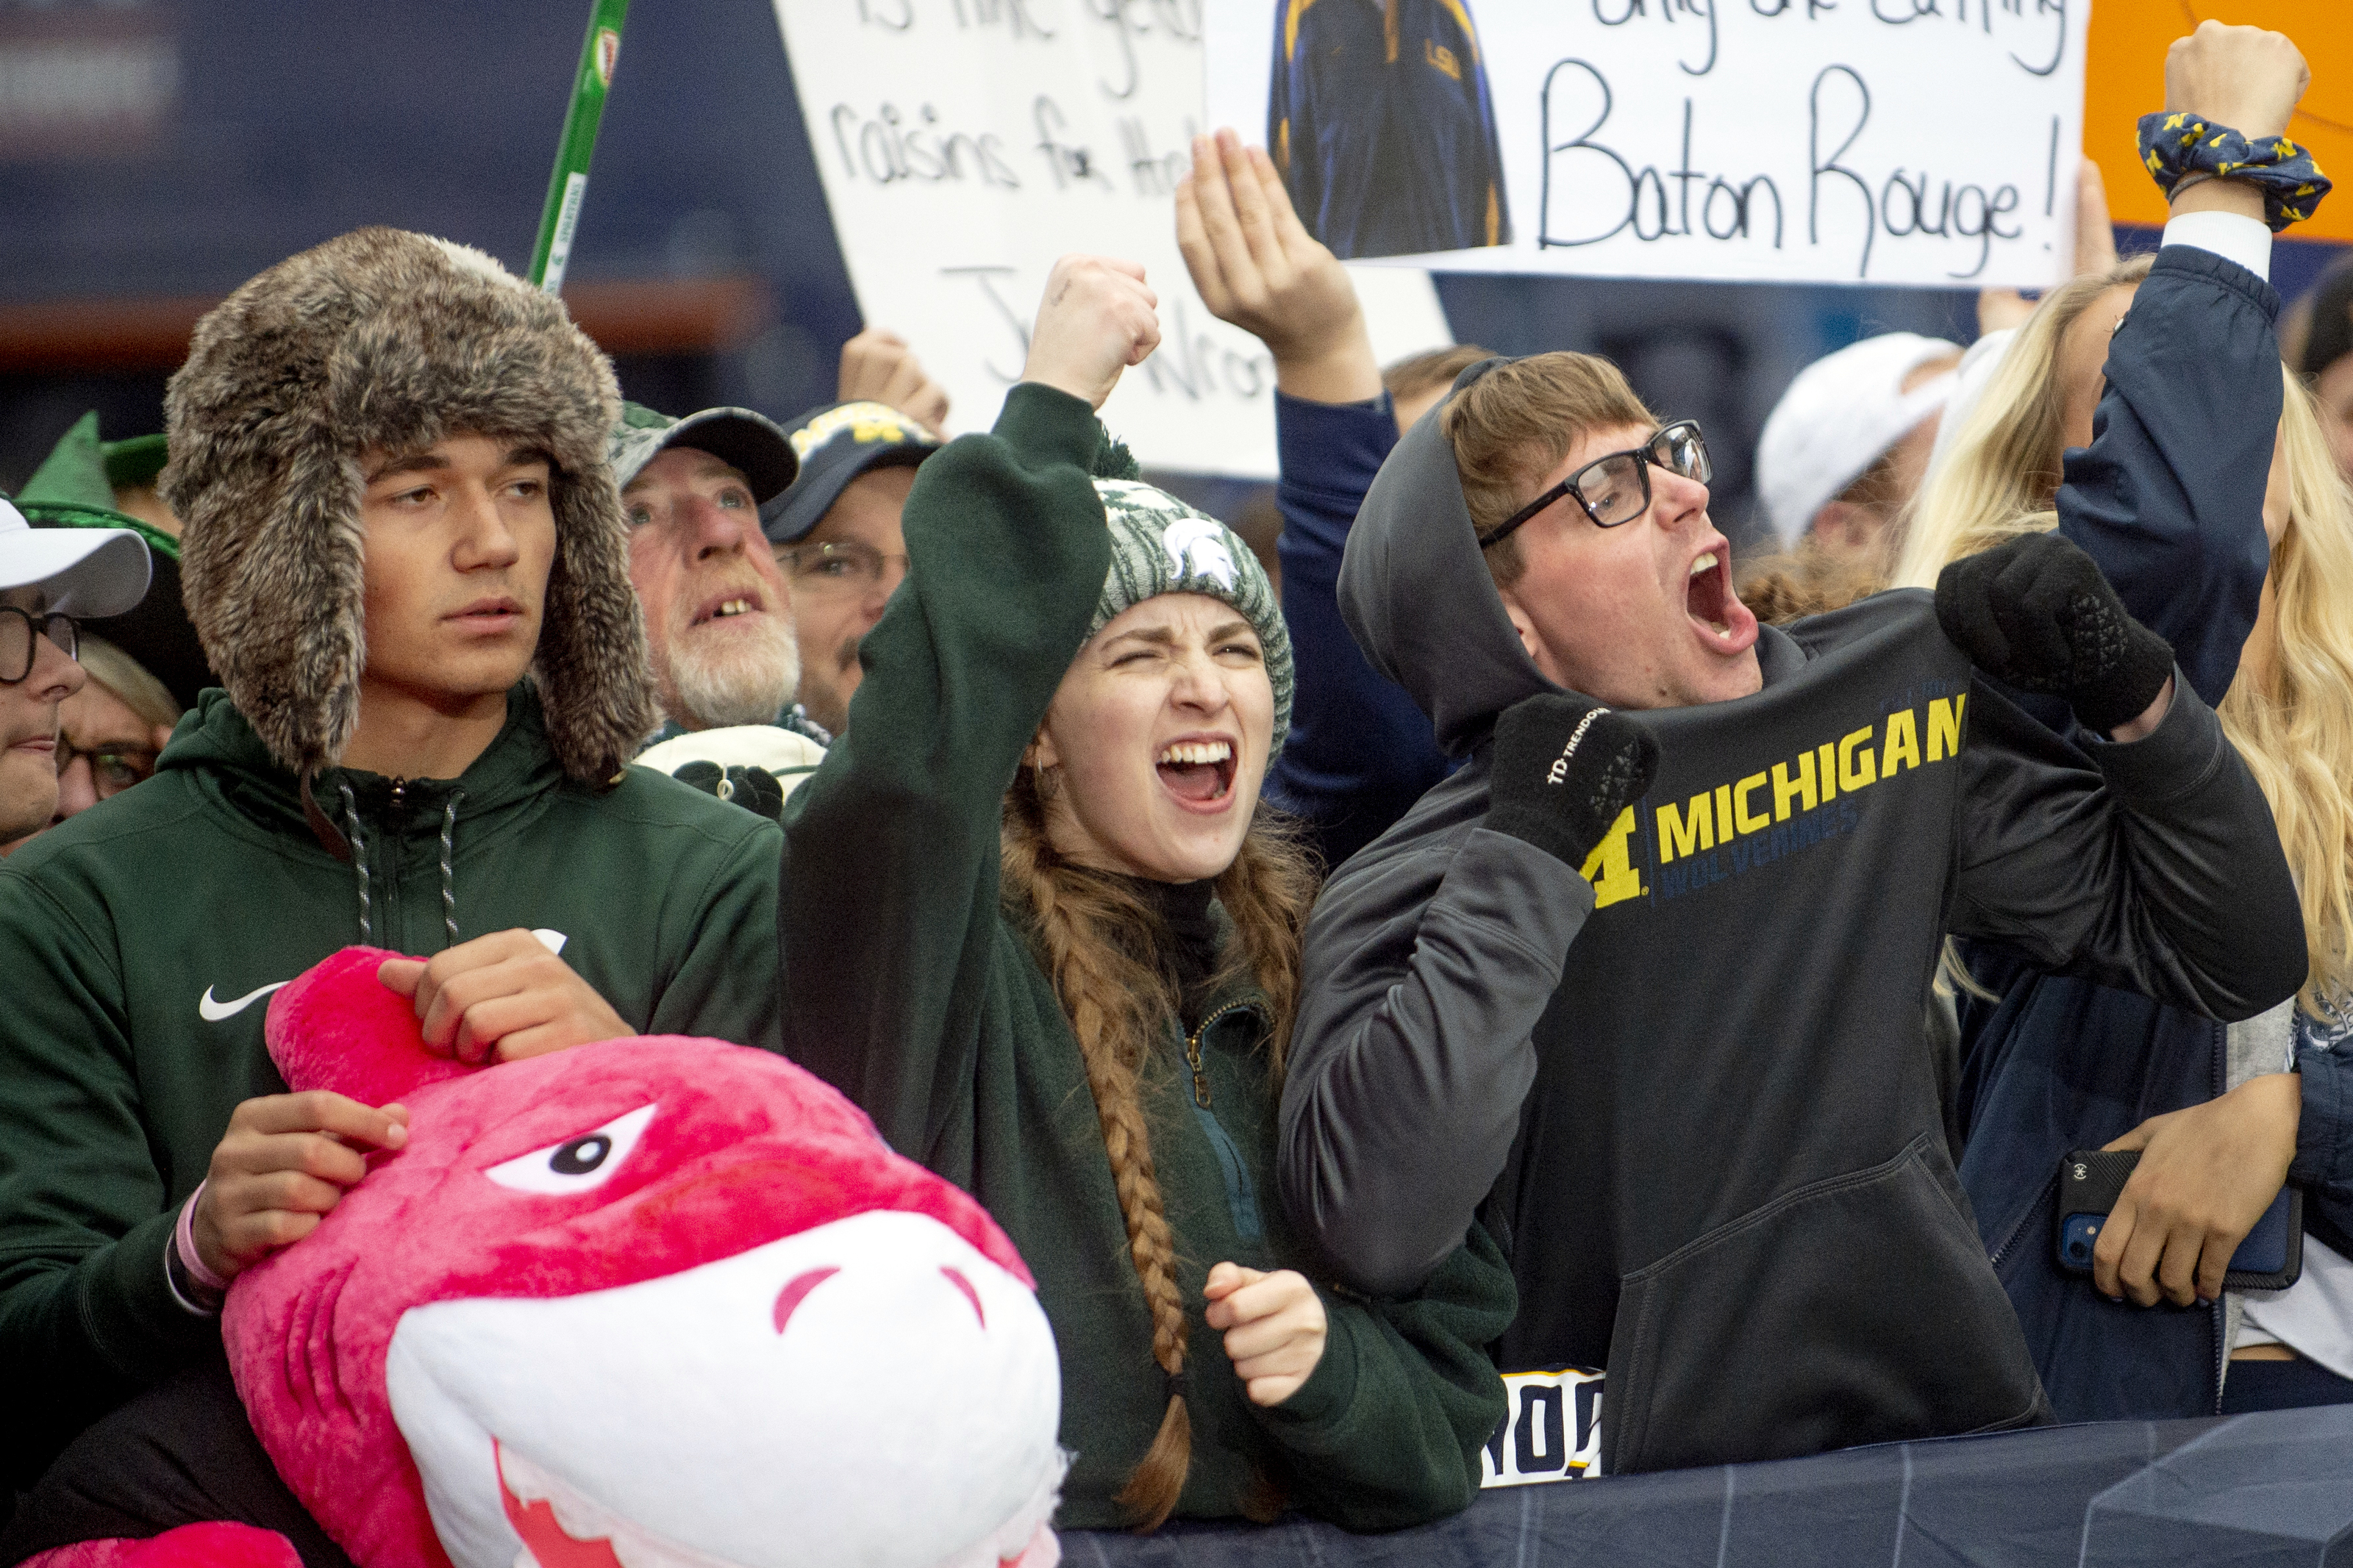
(2035, 612)
(1564, 768)
(753, 789)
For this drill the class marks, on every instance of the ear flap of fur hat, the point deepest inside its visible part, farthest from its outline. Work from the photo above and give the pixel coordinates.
(394, 341)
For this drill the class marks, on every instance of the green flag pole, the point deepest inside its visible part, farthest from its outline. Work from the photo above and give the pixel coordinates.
(559, 218)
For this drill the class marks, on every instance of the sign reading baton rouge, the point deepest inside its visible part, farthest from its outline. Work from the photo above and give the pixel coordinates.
(1891, 142)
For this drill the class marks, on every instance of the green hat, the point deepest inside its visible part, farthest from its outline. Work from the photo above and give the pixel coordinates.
(1160, 545)
(74, 488)
(133, 462)
(85, 471)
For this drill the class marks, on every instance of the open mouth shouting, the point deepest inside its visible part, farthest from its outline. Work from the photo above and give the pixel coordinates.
(1725, 624)
(1198, 771)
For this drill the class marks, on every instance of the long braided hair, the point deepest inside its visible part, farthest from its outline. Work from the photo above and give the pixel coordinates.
(1100, 943)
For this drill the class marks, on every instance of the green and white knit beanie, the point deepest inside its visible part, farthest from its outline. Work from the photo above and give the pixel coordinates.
(1160, 545)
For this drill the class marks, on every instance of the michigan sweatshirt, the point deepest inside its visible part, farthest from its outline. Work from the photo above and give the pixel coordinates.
(1689, 1089)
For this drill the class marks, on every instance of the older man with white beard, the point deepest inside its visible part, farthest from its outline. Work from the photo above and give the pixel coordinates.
(719, 620)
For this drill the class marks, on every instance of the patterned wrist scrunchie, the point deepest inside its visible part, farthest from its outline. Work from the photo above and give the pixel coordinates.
(2175, 147)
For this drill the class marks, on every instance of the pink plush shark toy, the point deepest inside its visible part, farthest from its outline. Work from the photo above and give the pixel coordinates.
(650, 1303)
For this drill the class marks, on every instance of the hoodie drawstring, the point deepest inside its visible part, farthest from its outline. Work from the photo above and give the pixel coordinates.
(359, 862)
(448, 873)
(449, 864)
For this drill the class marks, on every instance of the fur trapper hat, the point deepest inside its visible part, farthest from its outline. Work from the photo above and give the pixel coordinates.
(389, 339)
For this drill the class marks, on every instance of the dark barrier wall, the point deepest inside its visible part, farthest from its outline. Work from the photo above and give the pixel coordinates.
(2254, 1492)
(163, 152)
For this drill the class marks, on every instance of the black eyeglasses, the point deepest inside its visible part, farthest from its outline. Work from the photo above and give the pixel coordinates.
(1617, 489)
(17, 647)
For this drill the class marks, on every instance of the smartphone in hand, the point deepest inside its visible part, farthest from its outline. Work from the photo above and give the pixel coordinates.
(2269, 1257)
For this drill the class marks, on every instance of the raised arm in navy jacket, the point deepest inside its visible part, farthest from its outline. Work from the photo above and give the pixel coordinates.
(2168, 500)
(1360, 751)
(2194, 570)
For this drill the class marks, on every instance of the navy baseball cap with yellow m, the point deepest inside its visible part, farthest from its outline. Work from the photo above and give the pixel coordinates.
(836, 443)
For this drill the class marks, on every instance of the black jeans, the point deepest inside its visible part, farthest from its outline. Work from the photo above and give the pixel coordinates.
(181, 1453)
(2281, 1385)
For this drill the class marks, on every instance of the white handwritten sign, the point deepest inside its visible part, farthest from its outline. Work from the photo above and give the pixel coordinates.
(966, 143)
(1918, 141)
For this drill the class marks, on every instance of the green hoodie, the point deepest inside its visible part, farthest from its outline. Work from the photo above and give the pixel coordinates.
(909, 988)
(141, 938)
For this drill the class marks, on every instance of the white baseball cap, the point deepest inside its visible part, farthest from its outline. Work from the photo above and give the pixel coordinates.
(1970, 379)
(1839, 415)
(89, 572)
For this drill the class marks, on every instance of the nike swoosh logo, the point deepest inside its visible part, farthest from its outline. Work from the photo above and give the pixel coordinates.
(212, 1012)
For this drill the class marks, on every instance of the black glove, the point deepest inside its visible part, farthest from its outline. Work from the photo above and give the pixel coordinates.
(1564, 768)
(2035, 612)
(753, 789)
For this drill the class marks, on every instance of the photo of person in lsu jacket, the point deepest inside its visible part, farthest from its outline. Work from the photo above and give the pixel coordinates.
(1690, 1088)
(1381, 121)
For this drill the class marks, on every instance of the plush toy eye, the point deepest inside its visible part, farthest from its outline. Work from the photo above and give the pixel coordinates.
(575, 1165)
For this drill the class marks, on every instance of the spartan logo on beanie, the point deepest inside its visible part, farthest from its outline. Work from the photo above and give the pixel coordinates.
(1197, 547)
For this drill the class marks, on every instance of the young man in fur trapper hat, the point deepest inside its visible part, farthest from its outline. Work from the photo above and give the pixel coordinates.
(407, 559)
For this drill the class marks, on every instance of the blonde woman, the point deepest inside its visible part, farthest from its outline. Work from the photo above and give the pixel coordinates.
(1035, 923)
(2246, 565)
(2002, 460)
(1996, 455)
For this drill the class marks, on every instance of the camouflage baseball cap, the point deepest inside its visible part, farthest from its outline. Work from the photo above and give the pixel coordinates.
(751, 443)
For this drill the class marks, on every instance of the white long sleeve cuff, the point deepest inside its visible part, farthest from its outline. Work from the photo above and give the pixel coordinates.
(2233, 236)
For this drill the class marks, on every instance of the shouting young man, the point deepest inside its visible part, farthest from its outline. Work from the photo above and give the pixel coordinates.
(407, 560)
(1691, 1084)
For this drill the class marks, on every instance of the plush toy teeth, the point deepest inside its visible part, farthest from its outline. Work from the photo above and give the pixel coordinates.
(561, 1529)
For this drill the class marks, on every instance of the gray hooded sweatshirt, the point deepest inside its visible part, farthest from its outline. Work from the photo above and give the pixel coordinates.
(1691, 1086)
